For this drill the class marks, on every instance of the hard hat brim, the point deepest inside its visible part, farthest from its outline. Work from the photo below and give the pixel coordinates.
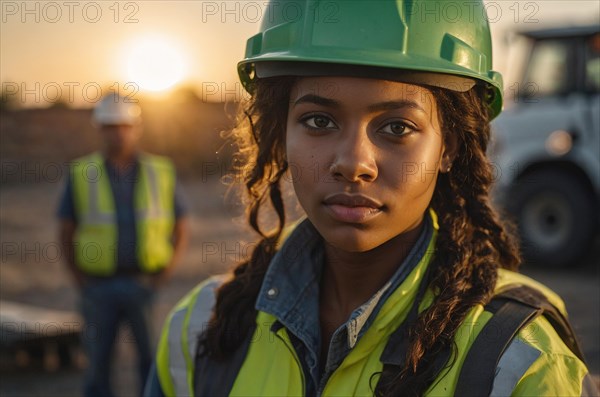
(306, 69)
(250, 71)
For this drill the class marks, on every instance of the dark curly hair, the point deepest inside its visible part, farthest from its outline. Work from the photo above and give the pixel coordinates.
(472, 241)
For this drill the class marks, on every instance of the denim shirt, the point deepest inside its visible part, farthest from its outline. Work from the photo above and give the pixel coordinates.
(290, 292)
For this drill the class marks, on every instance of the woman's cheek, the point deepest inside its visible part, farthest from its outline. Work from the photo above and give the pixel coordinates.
(415, 177)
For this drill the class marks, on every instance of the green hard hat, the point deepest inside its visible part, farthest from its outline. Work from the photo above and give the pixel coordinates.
(438, 43)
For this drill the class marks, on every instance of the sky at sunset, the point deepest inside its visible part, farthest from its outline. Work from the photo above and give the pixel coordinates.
(76, 47)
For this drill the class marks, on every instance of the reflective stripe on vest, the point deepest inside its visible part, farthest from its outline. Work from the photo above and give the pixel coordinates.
(588, 387)
(514, 362)
(96, 235)
(175, 358)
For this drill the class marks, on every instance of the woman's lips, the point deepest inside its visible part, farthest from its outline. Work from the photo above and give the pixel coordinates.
(351, 208)
(346, 214)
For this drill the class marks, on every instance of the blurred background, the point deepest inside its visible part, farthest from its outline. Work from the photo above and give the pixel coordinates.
(178, 60)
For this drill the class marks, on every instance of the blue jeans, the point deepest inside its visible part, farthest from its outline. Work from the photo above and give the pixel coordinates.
(106, 304)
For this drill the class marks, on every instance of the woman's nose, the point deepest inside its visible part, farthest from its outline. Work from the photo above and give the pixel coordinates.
(355, 157)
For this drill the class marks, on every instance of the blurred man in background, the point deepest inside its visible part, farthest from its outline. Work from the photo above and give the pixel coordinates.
(123, 228)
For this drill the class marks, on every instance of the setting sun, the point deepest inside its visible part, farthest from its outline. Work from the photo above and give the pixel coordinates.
(155, 64)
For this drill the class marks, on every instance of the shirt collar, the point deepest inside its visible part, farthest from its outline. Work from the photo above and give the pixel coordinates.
(290, 290)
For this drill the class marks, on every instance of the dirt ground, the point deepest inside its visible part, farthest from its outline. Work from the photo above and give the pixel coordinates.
(35, 275)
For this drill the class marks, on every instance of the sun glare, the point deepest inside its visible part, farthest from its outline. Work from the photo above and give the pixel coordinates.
(155, 64)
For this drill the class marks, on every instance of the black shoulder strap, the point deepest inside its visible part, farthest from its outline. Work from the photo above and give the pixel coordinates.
(479, 368)
(559, 322)
(513, 309)
(216, 377)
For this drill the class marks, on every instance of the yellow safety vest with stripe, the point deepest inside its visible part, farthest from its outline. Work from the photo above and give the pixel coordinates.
(96, 235)
(536, 363)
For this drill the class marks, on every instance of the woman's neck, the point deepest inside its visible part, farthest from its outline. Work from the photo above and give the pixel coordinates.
(352, 278)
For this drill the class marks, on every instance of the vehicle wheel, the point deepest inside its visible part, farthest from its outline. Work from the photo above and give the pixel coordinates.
(555, 215)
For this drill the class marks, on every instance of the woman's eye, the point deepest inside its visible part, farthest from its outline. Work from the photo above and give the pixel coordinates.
(397, 128)
(318, 122)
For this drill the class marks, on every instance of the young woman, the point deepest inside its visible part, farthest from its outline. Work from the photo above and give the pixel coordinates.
(379, 112)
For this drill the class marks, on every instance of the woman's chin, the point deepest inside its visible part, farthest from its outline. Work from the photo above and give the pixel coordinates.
(351, 239)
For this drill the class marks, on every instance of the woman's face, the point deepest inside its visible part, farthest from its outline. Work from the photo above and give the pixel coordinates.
(364, 155)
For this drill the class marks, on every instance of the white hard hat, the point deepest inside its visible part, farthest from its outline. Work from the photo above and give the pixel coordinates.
(114, 109)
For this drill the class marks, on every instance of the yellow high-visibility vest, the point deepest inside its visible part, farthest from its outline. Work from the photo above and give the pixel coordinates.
(96, 235)
(536, 363)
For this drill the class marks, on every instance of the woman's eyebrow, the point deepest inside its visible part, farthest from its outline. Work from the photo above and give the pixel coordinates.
(399, 104)
(388, 105)
(318, 100)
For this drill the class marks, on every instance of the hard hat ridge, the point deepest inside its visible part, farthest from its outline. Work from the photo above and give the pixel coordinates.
(430, 38)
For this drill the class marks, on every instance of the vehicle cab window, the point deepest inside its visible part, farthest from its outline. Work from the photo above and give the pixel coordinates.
(548, 68)
(592, 64)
